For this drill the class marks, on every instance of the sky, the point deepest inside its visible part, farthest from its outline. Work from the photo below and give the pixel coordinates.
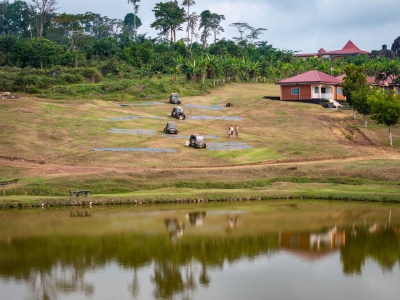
(296, 25)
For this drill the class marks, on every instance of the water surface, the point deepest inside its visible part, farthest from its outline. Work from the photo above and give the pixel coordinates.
(254, 250)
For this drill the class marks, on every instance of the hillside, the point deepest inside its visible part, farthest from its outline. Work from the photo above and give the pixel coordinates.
(55, 145)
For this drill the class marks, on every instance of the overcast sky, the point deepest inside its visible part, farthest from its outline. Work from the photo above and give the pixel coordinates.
(298, 25)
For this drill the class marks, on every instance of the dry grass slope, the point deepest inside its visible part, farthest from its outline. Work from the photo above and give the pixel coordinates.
(53, 141)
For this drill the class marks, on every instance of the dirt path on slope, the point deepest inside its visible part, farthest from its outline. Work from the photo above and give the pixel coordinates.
(40, 168)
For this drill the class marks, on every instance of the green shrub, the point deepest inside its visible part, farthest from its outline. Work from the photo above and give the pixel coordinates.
(72, 79)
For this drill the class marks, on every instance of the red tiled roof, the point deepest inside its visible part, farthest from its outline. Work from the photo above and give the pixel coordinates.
(349, 48)
(340, 77)
(371, 80)
(313, 76)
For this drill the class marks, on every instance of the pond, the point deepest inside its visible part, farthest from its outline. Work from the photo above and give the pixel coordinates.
(233, 250)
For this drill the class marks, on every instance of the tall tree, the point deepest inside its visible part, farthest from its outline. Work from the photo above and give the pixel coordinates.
(255, 34)
(205, 24)
(73, 26)
(192, 24)
(130, 24)
(385, 109)
(135, 9)
(216, 27)
(242, 27)
(188, 4)
(42, 9)
(15, 18)
(100, 27)
(169, 18)
(210, 22)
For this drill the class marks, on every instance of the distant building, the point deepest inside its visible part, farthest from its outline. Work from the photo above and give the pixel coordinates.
(349, 49)
(386, 84)
(384, 52)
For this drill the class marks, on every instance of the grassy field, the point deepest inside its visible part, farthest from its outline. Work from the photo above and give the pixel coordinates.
(296, 150)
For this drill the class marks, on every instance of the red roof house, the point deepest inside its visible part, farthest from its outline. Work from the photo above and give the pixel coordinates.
(371, 81)
(311, 85)
(348, 50)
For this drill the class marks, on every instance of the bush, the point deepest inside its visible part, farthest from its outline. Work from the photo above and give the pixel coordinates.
(72, 79)
(93, 75)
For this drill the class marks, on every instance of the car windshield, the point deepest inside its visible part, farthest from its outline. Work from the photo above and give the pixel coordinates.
(171, 125)
(199, 138)
(179, 109)
(174, 96)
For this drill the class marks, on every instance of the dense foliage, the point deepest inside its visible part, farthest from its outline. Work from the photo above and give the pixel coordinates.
(110, 45)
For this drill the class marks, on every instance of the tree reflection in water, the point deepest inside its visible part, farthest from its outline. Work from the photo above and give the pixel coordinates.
(182, 257)
(47, 284)
(134, 287)
(381, 244)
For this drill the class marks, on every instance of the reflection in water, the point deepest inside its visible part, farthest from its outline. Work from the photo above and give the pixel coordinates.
(47, 284)
(232, 223)
(196, 218)
(174, 228)
(377, 242)
(74, 214)
(312, 245)
(60, 258)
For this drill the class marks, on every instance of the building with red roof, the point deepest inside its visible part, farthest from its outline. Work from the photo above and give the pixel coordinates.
(311, 85)
(388, 84)
(349, 49)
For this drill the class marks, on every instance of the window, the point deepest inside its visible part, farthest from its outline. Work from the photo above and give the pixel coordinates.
(323, 90)
(295, 91)
(316, 89)
(339, 91)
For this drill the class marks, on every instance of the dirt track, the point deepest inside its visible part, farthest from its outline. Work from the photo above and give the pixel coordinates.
(40, 168)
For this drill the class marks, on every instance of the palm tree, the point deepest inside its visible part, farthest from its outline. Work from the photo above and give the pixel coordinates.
(389, 71)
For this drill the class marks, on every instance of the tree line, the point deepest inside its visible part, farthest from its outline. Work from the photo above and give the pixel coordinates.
(33, 34)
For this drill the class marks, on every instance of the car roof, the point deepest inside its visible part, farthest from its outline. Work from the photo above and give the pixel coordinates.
(198, 136)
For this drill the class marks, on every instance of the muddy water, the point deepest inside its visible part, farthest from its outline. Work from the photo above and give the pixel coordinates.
(265, 250)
